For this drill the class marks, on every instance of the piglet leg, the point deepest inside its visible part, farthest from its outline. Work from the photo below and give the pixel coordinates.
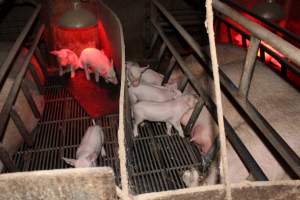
(103, 153)
(86, 70)
(61, 71)
(169, 128)
(97, 76)
(72, 71)
(177, 126)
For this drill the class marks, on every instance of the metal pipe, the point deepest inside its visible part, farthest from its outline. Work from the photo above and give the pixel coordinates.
(15, 48)
(249, 67)
(198, 108)
(4, 115)
(244, 107)
(270, 24)
(275, 41)
(244, 154)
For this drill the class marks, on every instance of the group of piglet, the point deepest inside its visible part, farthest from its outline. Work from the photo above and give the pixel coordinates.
(92, 60)
(89, 149)
(153, 102)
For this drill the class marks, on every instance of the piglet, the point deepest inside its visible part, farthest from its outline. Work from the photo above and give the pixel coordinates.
(90, 147)
(203, 133)
(191, 177)
(144, 92)
(137, 74)
(99, 64)
(67, 58)
(169, 112)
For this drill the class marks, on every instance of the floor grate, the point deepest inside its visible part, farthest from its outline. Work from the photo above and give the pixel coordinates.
(158, 160)
(59, 133)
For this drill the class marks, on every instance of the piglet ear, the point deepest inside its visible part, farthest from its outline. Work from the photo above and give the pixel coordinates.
(92, 157)
(69, 161)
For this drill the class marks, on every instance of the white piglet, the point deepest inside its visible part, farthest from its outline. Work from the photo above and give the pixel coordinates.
(98, 62)
(89, 149)
(155, 93)
(67, 59)
(169, 112)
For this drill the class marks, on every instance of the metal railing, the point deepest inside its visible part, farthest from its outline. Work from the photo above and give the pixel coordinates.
(8, 110)
(238, 96)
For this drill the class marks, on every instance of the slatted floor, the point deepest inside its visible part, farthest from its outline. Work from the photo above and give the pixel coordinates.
(59, 133)
(157, 161)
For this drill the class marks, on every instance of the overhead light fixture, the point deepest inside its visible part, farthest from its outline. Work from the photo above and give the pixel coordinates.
(77, 17)
(269, 10)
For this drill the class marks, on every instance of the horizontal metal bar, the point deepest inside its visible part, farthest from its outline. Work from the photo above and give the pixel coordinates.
(5, 112)
(244, 107)
(244, 154)
(15, 48)
(289, 50)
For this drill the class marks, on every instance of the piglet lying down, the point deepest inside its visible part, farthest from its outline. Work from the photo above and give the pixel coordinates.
(169, 112)
(89, 149)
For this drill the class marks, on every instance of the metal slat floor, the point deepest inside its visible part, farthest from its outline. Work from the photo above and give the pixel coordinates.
(157, 161)
(59, 133)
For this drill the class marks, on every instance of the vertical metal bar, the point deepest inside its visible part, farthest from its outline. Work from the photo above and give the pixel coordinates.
(262, 54)
(283, 70)
(41, 61)
(154, 39)
(169, 70)
(6, 160)
(35, 78)
(188, 128)
(30, 100)
(249, 66)
(28, 139)
(244, 41)
(229, 34)
(161, 51)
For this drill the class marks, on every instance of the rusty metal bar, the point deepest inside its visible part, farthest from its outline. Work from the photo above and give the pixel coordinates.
(243, 153)
(28, 139)
(258, 31)
(249, 66)
(30, 100)
(169, 70)
(183, 83)
(6, 160)
(198, 108)
(15, 48)
(4, 115)
(245, 107)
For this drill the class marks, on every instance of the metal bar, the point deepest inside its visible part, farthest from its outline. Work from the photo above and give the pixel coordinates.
(229, 35)
(275, 41)
(154, 39)
(244, 154)
(4, 115)
(41, 61)
(183, 83)
(161, 51)
(30, 100)
(28, 139)
(249, 66)
(243, 107)
(244, 41)
(6, 160)
(198, 108)
(269, 23)
(15, 48)
(35, 78)
(169, 70)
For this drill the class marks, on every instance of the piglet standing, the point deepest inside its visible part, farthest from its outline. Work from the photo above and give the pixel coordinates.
(98, 62)
(169, 112)
(137, 74)
(67, 58)
(90, 147)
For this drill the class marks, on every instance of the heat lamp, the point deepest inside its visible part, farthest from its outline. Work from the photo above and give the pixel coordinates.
(269, 10)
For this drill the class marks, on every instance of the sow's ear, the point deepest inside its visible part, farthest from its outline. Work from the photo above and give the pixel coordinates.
(69, 161)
